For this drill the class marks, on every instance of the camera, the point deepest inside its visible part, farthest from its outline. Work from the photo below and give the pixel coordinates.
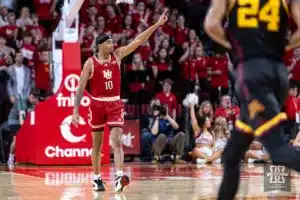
(162, 109)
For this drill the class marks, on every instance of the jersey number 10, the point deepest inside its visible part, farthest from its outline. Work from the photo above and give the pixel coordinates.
(109, 85)
(249, 14)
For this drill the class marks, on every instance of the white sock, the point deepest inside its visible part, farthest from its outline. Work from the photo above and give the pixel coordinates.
(119, 173)
(11, 157)
(97, 176)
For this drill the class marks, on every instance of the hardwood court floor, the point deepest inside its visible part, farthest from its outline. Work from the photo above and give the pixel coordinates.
(148, 182)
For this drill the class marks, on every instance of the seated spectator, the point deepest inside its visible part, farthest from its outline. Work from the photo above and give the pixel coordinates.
(256, 153)
(227, 110)
(166, 97)
(19, 89)
(165, 134)
(204, 139)
(206, 110)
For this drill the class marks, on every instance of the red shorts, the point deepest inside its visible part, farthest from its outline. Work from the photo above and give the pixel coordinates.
(106, 112)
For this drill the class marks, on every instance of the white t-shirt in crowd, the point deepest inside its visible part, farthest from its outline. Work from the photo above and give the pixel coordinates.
(20, 74)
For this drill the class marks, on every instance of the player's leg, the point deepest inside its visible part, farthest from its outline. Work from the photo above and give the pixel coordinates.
(96, 121)
(121, 180)
(116, 137)
(96, 152)
(115, 120)
(241, 137)
(234, 152)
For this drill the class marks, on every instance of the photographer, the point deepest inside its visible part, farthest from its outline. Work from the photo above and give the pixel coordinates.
(164, 131)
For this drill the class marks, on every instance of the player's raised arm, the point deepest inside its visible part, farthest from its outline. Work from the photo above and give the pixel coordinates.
(84, 77)
(213, 22)
(141, 38)
(295, 37)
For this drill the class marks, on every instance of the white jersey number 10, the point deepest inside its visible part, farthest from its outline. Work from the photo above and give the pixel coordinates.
(109, 85)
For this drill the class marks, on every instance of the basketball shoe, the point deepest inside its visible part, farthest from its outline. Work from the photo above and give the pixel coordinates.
(98, 185)
(121, 182)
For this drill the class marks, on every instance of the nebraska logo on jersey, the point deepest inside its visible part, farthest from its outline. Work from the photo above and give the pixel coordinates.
(107, 74)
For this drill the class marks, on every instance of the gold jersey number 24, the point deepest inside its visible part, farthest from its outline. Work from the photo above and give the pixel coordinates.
(249, 14)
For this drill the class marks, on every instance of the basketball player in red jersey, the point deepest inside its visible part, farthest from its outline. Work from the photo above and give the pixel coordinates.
(103, 71)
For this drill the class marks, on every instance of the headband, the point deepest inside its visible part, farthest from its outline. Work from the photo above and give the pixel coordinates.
(102, 38)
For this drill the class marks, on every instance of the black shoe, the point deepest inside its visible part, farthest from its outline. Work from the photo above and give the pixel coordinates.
(98, 185)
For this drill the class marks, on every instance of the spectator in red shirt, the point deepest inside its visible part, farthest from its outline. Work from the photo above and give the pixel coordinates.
(180, 32)
(291, 109)
(218, 73)
(46, 11)
(141, 14)
(42, 73)
(145, 51)
(101, 26)
(28, 51)
(166, 97)
(227, 110)
(128, 31)
(86, 39)
(201, 63)
(188, 70)
(36, 26)
(161, 68)
(10, 31)
(91, 17)
(163, 42)
(293, 65)
(113, 22)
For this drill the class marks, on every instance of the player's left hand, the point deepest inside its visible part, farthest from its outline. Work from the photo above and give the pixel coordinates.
(163, 18)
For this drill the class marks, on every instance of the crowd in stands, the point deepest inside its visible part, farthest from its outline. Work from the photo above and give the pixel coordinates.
(178, 59)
